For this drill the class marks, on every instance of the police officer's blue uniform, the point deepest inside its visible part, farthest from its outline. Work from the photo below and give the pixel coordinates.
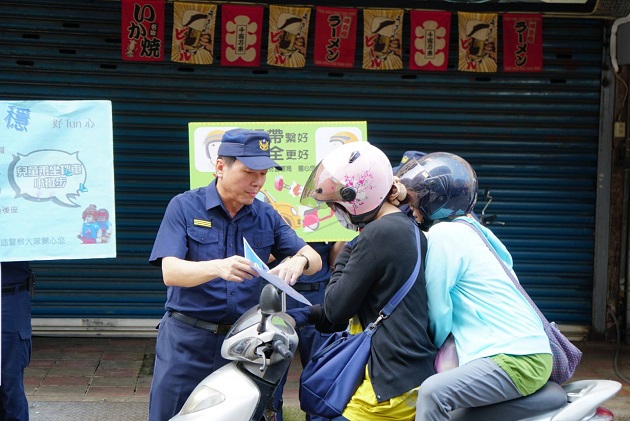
(312, 287)
(196, 227)
(16, 340)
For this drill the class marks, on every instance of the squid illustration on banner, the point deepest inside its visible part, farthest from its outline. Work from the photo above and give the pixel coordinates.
(56, 180)
(288, 36)
(193, 32)
(142, 30)
(382, 39)
(522, 42)
(477, 42)
(242, 34)
(335, 37)
(430, 33)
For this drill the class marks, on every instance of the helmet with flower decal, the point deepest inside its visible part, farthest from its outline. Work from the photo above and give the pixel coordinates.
(354, 180)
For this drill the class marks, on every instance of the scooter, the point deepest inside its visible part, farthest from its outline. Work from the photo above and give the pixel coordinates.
(261, 345)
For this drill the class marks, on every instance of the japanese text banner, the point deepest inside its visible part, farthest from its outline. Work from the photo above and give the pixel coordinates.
(288, 36)
(142, 30)
(242, 35)
(430, 34)
(477, 42)
(382, 39)
(56, 180)
(522, 42)
(193, 32)
(297, 147)
(335, 37)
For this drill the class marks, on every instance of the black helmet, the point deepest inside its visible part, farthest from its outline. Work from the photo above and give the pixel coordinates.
(442, 185)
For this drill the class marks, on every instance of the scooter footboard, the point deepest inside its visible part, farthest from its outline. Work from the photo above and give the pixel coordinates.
(549, 398)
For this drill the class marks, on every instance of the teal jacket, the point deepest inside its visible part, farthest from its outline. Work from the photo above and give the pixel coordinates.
(470, 295)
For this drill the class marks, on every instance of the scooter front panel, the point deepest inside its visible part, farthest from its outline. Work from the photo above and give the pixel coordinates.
(241, 397)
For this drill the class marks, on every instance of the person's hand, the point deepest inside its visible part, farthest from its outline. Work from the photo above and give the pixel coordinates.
(316, 313)
(205, 41)
(300, 45)
(394, 47)
(290, 269)
(490, 50)
(236, 269)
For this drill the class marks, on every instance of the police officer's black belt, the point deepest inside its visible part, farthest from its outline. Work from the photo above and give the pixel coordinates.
(314, 286)
(13, 289)
(201, 324)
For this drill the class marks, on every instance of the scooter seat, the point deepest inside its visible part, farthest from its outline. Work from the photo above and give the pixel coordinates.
(548, 398)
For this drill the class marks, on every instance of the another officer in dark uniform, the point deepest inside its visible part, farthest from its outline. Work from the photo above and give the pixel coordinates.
(199, 247)
(16, 339)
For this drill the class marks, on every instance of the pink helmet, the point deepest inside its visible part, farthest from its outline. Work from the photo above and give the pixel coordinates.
(356, 176)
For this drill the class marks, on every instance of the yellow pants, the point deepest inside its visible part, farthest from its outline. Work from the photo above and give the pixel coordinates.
(363, 405)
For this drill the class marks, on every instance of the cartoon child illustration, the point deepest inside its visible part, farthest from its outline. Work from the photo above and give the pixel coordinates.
(91, 231)
(103, 222)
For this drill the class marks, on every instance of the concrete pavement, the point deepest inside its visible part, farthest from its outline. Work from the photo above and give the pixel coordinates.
(108, 379)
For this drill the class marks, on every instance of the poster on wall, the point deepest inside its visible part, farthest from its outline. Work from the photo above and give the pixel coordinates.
(297, 147)
(56, 180)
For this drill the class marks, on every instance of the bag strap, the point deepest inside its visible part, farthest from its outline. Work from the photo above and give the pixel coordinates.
(400, 294)
(509, 273)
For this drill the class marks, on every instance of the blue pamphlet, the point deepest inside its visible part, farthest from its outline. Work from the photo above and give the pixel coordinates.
(262, 268)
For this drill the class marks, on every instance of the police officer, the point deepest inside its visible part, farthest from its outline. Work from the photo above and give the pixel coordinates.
(199, 247)
(16, 339)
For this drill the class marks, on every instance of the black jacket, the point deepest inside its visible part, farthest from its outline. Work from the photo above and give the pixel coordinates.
(365, 277)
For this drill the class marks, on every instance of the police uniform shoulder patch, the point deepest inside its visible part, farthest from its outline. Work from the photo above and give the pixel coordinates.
(202, 223)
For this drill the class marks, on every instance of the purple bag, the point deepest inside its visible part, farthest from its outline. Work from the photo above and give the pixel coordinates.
(566, 356)
(447, 355)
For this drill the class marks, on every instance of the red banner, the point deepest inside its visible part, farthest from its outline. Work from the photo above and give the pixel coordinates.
(522, 42)
(335, 37)
(242, 34)
(142, 30)
(430, 33)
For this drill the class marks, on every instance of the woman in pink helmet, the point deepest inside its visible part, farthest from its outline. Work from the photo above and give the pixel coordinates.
(356, 181)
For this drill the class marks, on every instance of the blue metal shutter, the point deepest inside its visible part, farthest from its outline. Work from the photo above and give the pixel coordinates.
(532, 138)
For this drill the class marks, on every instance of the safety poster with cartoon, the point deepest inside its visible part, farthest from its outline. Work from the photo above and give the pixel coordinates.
(297, 147)
(56, 180)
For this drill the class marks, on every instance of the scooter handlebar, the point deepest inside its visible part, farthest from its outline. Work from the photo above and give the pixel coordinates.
(282, 349)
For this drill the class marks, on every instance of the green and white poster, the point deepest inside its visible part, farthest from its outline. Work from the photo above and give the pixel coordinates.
(297, 147)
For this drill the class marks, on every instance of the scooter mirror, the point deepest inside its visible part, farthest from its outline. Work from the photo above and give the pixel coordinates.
(270, 300)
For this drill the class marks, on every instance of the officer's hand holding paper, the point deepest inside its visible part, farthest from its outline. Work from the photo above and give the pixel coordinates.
(262, 268)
